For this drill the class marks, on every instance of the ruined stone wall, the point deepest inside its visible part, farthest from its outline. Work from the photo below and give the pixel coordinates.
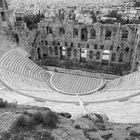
(114, 42)
(55, 37)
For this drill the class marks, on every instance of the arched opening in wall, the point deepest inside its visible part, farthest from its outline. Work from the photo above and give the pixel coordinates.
(46, 42)
(95, 46)
(16, 38)
(102, 47)
(56, 50)
(75, 53)
(39, 53)
(113, 57)
(108, 34)
(118, 48)
(97, 55)
(91, 54)
(49, 30)
(50, 50)
(69, 52)
(111, 48)
(62, 53)
(83, 55)
(75, 32)
(121, 57)
(92, 34)
(105, 57)
(61, 31)
(127, 49)
(84, 34)
(3, 16)
(124, 35)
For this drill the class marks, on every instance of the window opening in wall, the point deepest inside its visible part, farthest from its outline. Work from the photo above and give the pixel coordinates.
(69, 52)
(91, 54)
(46, 42)
(98, 55)
(39, 53)
(127, 49)
(113, 57)
(102, 47)
(108, 34)
(83, 55)
(56, 50)
(71, 44)
(66, 44)
(111, 48)
(75, 32)
(92, 34)
(87, 46)
(61, 31)
(121, 57)
(3, 16)
(124, 35)
(84, 34)
(62, 53)
(95, 46)
(75, 53)
(118, 48)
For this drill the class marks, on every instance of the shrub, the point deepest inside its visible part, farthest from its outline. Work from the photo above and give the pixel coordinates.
(5, 135)
(50, 119)
(21, 122)
(3, 103)
(38, 118)
(29, 121)
(77, 126)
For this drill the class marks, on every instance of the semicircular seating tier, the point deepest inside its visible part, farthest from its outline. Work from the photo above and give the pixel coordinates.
(127, 82)
(21, 73)
(74, 84)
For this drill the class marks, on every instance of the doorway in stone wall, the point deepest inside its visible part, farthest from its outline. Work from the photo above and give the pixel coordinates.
(3, 16)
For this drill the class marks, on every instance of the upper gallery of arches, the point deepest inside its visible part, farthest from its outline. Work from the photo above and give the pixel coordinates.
(96, 32)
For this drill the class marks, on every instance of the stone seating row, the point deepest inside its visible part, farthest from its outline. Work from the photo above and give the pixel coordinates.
(130, 81)
(17, 63)
(20, 82)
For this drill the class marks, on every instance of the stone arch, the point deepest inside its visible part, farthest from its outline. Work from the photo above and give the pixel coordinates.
(108, 34)
(113, 57)
(98, 55)
(121, 57)
(84, 34)
(3, 16)
(92, 34)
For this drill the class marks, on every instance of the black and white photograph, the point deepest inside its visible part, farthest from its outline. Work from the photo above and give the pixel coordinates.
(69, 69)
